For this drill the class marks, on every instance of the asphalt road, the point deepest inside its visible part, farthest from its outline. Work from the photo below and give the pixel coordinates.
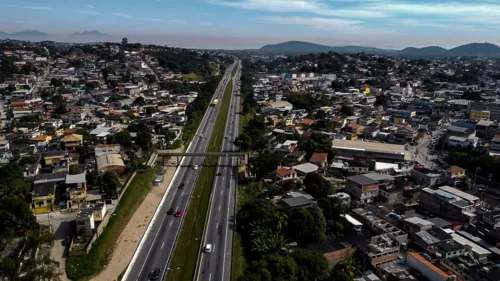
(216, 265)
(158, 243)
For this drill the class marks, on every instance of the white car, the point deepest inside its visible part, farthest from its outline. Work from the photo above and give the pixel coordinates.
(195, 167)
(208, 248)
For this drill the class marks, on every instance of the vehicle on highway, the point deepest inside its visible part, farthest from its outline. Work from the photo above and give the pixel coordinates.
(219, 174)
(226, 137)
(181, 186)
(208, 248)
(170, 211)
(195, 167)
(178, 213)
(201, 135)
(155, 274)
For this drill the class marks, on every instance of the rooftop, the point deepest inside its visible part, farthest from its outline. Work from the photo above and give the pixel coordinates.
(368, 146)
(297, 201)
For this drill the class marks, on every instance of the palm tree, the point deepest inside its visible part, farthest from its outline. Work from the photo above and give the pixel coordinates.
(347, 267)
(281, 220)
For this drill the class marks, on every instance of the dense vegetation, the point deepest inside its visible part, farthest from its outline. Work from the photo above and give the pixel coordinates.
(264, 230)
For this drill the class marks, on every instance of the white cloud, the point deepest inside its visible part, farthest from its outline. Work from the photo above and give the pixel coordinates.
(448, 8)
(435, 24)
(299, 6)
(89, 6)
(153, 19)
(177, 21)
(318, 23)
(206, 23)
(87, 12)
(121, 15)
(29, 7)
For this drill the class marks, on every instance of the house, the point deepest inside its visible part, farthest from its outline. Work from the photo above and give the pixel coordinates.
(355, 129)
(305, 168)
(76, 191)
(31, 170)
(283, 174)
(101, 149)
(358, 167)
(405, 133)
(41, 140)
(319, 159)
(52, 158)
(362, 188)
(426, 268)
(297, 202)
(456, 172)
(415, 224)
(463, 142)
(426, 177)
(77, 114)
(492, 219)
(4, 145)
(460, 132)
(43, 197)
(430, 239)
(495, 144)
(445, 204)
(70, 142)
(111, 162)
(295, 157)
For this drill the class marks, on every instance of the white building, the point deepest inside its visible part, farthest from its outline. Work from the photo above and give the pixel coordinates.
(463, 142)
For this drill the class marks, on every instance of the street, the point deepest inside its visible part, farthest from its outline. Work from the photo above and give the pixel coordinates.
(221, 221)
(157, 245)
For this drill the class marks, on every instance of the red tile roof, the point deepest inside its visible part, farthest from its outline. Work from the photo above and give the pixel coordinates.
(456, 169)
(318, 157)
(284, 172)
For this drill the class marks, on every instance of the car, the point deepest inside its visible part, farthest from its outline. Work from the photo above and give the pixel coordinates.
(208, 248)
(178, 213)
(195, 167)
(219, 174)
(155, 274)
(170, 211)
(181, 186)
(201, 135)
(226, 137)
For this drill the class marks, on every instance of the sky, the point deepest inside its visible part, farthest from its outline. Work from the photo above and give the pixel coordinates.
(236, 24)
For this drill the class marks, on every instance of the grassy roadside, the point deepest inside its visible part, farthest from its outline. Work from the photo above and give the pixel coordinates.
(187, 247)
(234, 71)
(238, 263)
(84, 267)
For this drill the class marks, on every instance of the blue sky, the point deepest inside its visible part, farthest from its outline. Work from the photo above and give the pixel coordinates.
(382, 23)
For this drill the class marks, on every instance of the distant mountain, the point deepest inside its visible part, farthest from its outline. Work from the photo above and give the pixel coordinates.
(299, 47)
(89, 33)
(476, 49)
(427, 51)
(295, 47)
(28, 32)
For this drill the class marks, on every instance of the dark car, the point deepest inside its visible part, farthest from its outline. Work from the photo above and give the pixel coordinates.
(219, 174)
(155, 274)
(181, 186)
(170, 211)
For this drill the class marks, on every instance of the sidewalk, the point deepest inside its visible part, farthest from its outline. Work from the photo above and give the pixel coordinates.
(132, 234)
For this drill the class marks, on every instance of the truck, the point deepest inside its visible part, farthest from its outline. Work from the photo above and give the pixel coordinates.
(215, 102)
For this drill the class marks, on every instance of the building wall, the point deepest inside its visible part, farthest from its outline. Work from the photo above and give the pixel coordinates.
(425, 270)
(383, 258)
(477, 115)
(339, 255)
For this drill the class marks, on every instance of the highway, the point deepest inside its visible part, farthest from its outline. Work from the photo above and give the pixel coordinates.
(157, 244)
(216, 265)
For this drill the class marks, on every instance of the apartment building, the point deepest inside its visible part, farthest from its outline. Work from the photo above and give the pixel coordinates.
(445, 204)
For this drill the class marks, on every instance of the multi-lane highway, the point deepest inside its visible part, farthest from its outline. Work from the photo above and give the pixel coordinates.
(156, 247)
(216, 265)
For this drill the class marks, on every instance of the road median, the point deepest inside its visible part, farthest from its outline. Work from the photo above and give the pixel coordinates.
(186, 253)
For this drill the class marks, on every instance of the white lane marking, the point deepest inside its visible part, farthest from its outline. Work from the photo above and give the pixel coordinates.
(182, 194)
(219, 208)
(162, 244)
(217, 225)
(171, 223)
(221, 192)
(210, 277)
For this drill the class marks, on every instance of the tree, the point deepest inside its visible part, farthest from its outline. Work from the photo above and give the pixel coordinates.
(272, 267)
(306, 226)
(464, 184)
(317, 186)
(264, 240)
(110, 184)
(311, 265)
(336, 84)
(265, 163)
(15, 216)
(92, 178)
(75, 170)
(54, 82)
(59, 104)
(124, 41)
(346, 110)
(320, 114)
(261, 210)
(345, 270)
